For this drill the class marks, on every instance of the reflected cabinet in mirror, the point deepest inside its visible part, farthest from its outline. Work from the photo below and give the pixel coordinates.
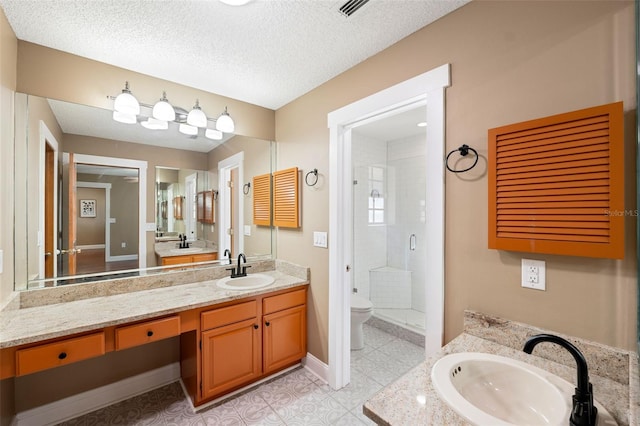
(97, 199)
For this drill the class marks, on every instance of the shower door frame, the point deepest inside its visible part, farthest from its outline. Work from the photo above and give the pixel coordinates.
(425, 89)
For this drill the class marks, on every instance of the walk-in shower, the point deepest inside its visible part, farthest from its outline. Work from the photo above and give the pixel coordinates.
(389, 218)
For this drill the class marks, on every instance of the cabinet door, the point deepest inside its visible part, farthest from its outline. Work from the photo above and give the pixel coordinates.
(177, 260)
(208, 215)
(230, 357)
(284, 338)
(200, 208)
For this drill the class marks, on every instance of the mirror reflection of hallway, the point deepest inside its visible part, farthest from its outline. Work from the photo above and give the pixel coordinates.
(100, 226)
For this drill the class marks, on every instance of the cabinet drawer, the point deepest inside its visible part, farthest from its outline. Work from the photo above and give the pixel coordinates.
(229, 315)
(147, 332)
(204, 257)
(284, 301)
(58, 353)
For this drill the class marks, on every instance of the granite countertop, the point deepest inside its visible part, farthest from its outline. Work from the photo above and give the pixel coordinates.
(412, 399)
(34, 324)
(170, 248)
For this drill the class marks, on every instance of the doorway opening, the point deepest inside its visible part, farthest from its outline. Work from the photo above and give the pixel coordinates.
(230, 178)
(428, 90)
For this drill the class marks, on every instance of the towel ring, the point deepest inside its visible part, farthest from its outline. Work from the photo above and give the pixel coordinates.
(306, 178)
(245, 188)
(464, 151)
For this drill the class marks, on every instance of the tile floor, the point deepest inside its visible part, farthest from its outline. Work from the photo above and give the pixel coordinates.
(296, 398)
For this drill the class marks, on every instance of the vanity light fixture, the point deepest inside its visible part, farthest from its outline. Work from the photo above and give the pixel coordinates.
(126, 109)
(196, 117)
(235, 2)
(216, 135)
(225, 122)
(154, 124)
(125, 118)
(186, 129)
(126, 103)
(163, 110)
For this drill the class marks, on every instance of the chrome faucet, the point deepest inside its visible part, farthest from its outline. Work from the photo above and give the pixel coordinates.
(584, 413)
(239, 271)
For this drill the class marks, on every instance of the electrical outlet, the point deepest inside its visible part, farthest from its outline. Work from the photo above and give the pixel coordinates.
(533, 274)
(124, 245)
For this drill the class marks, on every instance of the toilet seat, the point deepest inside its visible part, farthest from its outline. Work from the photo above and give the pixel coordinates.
(360, 304)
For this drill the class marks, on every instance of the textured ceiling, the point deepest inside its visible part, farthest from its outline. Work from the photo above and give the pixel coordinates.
(267, 53)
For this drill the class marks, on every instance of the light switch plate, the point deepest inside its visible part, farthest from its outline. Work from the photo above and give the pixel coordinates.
(320, 239)
(247, 230)
(533, 274)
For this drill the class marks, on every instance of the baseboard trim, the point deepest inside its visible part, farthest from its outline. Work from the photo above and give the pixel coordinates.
(122, 257)
(91, 247)
(94, 399)
(317, 367)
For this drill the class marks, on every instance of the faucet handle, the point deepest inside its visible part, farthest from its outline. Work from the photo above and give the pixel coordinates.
(244, 270)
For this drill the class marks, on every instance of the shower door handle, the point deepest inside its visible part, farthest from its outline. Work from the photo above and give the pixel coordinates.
(412, 242)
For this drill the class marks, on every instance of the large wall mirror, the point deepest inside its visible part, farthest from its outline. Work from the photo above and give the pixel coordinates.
(96, 199)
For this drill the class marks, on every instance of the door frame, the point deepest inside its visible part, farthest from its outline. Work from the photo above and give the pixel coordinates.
(225, 214)
(428, 88)
(142, 193)
(46, 138)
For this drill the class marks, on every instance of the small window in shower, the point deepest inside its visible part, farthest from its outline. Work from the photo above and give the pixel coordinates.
(376, 198)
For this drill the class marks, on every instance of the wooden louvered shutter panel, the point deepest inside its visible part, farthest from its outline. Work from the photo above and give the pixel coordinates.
(262, 200)
(285, 198)
(556, 184)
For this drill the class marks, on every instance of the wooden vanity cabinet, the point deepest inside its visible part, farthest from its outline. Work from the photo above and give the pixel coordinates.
(188, 258)
(246, 341)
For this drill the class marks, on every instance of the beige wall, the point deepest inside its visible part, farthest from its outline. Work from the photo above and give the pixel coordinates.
(90, 230)
(58, 75)
(256, 162)
(511, 61)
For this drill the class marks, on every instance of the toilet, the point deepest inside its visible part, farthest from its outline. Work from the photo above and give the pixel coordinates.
(361, 310)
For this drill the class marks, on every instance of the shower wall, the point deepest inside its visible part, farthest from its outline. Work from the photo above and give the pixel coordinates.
(407, 193)
(386, 245)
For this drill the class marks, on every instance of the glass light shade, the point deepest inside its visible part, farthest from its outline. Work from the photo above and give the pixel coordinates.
(225, 123)
(163, 110)
(216, 135)
(187, 129)
(235, 2)
(196, 117)
(153, 124)
(122, 117)
(126, 103)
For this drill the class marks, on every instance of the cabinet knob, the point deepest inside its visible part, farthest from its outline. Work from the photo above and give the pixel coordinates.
(149, 333)
(62, 355)
(256, 326)
(267, 323)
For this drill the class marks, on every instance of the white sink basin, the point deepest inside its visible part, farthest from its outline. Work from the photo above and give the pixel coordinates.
(491, 389)
(189, 250)
(249, 282)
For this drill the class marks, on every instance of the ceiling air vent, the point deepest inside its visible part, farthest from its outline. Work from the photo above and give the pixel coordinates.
(351, 6)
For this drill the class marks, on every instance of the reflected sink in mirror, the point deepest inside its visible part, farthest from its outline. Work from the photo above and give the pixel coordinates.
(250, 282)
(491, 389)
(187, 250)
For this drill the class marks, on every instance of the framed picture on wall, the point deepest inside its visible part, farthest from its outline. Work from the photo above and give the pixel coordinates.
(87, 208)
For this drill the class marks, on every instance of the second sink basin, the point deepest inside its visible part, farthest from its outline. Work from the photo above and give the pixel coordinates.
(249, 282)
(187, 250)
(491, 389)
